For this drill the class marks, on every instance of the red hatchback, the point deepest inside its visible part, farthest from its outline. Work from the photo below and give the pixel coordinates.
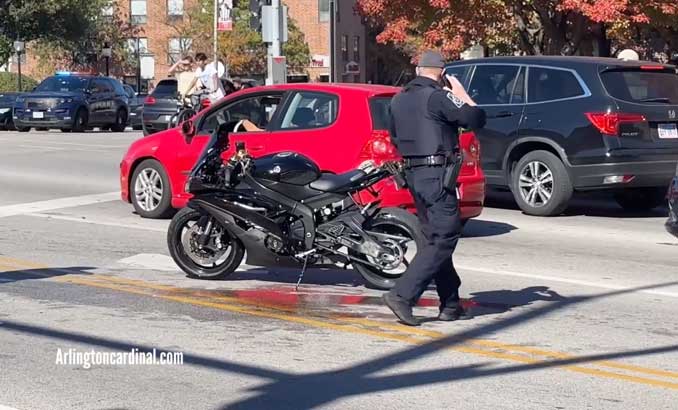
(339, 126)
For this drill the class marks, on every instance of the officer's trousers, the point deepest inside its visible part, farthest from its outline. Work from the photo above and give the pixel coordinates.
(438, 213)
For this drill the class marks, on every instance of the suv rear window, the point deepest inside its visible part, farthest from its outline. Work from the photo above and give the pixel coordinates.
(642, 86)
(165, 89)
(380, 110)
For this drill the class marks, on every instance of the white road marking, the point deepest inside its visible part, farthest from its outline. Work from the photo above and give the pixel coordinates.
(6, 408)
(568, 281)
(152, 261)
(97, 222)
(59, 203)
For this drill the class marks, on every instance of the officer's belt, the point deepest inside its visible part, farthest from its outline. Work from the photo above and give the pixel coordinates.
(429, 161)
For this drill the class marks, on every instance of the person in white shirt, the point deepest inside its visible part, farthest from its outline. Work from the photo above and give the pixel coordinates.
(207, 78)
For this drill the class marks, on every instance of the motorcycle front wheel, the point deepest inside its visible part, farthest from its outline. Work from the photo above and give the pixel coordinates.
(402, 236)
(212, 257)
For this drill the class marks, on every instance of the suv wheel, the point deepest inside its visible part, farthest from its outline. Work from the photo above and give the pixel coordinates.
(640, 199)
(120, 121)
(150, 190)
(540, 184)
(80, 121)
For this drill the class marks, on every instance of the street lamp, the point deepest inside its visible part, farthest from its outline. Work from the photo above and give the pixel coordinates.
(106, 53)
(19, 48)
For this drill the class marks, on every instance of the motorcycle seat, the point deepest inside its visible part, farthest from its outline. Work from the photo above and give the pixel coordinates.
(335, 182)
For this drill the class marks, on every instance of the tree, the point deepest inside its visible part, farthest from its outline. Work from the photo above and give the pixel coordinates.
(527, 26)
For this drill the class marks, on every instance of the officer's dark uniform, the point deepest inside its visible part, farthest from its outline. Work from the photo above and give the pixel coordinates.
(425, 122)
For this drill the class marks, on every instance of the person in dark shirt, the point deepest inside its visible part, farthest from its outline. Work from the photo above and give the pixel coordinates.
(425, 122)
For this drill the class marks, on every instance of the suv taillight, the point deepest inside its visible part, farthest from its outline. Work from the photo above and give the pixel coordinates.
(379, 148)
(150, 100)
(608, 122)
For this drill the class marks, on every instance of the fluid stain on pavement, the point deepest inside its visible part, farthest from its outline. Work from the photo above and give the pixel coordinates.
(289, 298)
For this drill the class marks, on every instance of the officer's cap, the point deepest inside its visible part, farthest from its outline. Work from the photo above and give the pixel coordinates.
(431, 59)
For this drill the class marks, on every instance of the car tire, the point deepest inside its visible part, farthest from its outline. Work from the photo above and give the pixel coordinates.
(540, 184)
(640, 199)
(23, 129)
(66, 130)
(151, 172)
(120, 121)
(80, 120)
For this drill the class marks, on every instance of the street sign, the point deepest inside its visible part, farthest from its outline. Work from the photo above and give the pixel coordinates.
(225, 19)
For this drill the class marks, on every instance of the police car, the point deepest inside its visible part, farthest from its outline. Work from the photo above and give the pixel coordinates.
(73, 102)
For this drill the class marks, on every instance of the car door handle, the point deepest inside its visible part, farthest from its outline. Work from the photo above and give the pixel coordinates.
(504, 114)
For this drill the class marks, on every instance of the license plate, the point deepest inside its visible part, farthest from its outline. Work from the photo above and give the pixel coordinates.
(38, 114)
(667, 131)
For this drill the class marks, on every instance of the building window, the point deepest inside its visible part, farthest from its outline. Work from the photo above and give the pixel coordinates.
(344, 47)
(132, 45)
(356, 48)
(175, 8)
(138, 11)
(324, 11)
(177, 48)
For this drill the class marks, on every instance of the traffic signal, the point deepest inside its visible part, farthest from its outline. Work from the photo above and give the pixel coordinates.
(255, 13)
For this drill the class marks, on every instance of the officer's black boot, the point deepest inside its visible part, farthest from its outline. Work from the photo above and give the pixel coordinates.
(450, 314)
(401, 308)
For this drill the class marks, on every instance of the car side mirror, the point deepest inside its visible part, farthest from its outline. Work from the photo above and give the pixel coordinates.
(188, 130)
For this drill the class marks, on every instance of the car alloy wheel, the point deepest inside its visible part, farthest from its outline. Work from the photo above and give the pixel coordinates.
(536, 184)
(148, 189)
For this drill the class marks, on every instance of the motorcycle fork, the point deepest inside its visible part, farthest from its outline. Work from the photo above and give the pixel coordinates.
(204, 238)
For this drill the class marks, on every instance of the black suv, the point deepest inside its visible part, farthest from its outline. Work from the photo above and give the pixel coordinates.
(73, 102)
(560, 124)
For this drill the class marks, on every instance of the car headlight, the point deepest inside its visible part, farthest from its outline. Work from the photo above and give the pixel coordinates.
(21, 100)
(65, 100)
(4, 110)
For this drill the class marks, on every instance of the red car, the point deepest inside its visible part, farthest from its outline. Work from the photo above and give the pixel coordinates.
(337, 125)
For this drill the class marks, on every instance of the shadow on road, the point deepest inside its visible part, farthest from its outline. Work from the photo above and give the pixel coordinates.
(10, 275)
(476, 228)
(283, 390)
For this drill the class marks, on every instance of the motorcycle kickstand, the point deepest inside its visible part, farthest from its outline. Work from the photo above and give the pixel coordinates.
(301, 275)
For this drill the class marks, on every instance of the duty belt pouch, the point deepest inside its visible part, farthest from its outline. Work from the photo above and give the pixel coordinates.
(452, 173)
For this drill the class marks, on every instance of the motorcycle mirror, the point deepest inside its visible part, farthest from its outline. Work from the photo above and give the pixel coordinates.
(240, 146)
(188, 130)
(223, 134)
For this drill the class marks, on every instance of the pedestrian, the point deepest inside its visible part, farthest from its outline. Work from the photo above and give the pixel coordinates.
(425, 122)
(207, 78)
(183, 72)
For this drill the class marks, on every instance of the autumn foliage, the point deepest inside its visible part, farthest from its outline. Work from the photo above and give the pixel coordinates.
(589, 27)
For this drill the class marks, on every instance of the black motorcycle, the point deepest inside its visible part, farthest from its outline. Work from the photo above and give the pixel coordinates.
(281, 211)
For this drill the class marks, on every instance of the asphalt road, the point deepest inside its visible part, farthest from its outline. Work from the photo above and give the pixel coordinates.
(573, 312)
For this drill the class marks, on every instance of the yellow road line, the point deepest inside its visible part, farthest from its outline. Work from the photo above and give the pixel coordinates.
(347, 324)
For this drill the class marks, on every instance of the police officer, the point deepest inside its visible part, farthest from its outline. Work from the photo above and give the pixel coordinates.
(425, 120)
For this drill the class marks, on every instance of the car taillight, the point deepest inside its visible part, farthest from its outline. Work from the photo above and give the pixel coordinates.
(150, 100)
(379, 147)
(608, 122)
(652, 67)
(471, 147)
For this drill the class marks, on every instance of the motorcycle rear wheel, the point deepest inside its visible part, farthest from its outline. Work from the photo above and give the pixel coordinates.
(398, 222)
(218, 259)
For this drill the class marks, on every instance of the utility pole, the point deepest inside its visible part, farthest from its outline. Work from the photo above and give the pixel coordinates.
(216, 34)
(274, 33)
(333, 41)
(138, 66)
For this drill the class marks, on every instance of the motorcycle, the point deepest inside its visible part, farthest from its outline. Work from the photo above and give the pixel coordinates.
(280, 210)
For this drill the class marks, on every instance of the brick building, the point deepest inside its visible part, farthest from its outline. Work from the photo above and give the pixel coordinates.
(160, 44)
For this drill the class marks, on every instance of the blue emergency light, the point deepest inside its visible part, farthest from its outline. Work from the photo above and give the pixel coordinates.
(63, 73)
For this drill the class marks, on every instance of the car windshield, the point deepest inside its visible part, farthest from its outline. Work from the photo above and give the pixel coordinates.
(642, 86)
(63, 84)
